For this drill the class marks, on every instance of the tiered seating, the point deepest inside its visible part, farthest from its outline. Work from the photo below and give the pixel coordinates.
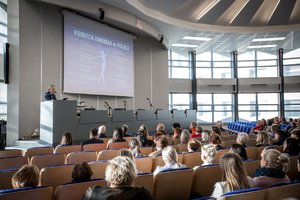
(107, 154)
(204, 180)
(38, 151)
(80, 156)
(284, 191)
(192, 159)
(56, 175)
(36, 193)
(144, 164)
(5, 177)
(98, 168)
(13, 162)
(173, 184)
(145, 180)
(247, 194)
(72, 191)
(42, 161)
(118, 145)
(242, 126)
(94, 147)
(67, 149)
(10, 153)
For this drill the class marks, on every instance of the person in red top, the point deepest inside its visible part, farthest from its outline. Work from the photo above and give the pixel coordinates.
(193, 126)
(198, 132)
(260, 125)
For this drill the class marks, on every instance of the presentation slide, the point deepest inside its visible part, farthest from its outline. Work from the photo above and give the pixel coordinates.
(98, 59)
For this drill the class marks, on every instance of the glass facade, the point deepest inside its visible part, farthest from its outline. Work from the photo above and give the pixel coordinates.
(3, 39)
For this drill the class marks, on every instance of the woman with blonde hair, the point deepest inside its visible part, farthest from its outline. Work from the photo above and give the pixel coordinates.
(119, 175)
(185, 136)
(208, 154)
(234, 175)
(170, 157)
(242, 139)
(262, 139)
(273, 168)
(205, 137)
(135, 146)
(160, 128)
(26, 176)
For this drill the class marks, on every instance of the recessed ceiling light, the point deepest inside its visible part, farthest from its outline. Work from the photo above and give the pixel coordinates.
(184, 45)
(268, 39)
(196, 38)
(262, 46)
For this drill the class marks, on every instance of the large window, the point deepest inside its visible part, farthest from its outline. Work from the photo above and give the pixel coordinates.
(254, 106)
(292, 105)
(291, 63)
(179, 66)
(179, 101)
(255, 64)
(213, 65)
(3, 39)
(214, 107)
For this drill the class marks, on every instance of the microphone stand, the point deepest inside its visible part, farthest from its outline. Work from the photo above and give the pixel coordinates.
(125, 105)
(109, 108)
(150, 104)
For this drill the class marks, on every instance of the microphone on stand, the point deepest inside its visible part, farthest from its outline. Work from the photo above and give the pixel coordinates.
(108, 107)
(125, 104)
(150, 104)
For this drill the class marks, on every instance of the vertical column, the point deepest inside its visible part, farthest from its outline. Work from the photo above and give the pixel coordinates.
(236, 86)
(281, 86)
(192, 61)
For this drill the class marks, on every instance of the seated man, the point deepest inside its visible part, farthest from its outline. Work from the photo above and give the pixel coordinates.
(119, 174)
(93, 137)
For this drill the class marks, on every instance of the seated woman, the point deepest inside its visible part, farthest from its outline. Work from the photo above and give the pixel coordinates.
(117, 137)
(176, 130)
(170, 157)
(234, 175)
(185, 137)
(66, 139)
(119, 175)
(274, 167)
(242, 139)
(161, 143)
(262, 139)
(296, 134)
(279, 137)
(208, 154)
(134, 147)
(216, 141)
(82, 172)
(291, 147)
(142, 136)
(101, 131)
(193, 126)
(124, 128)
(160, 128)
(198, 132)
(193, 145)
(205, 137)
(26, 176)
(216, 130)
(239, 150)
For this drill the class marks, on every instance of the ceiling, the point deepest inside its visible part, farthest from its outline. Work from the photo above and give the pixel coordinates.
(229, 24)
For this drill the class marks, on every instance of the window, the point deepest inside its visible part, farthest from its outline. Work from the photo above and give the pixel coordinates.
(292, 105)
(291, 63)
(179, 101)
(254, 106)
(213, 65)
(214, 107)
(257, 64)
(179, 65)
(3, 39)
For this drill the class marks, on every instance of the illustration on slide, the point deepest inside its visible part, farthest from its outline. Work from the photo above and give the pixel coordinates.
(102, 56)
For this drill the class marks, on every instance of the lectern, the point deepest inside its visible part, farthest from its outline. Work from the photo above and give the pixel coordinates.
(56, 117)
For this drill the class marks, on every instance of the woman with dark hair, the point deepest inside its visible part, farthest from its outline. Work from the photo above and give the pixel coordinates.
(291, 147)
(117, 137)
(216, 141)
(280, 137)
(66, 139)
(82, 172)
(240, 150)
(216, 130)
(26, 176)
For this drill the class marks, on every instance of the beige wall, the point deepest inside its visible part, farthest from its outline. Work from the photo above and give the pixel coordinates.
(36, 54)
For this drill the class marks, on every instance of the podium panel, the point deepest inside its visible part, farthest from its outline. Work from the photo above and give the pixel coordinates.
(143, 115)
(56, 117)
(178, 114)
(122, 115)
(93, 116)
(163, 114)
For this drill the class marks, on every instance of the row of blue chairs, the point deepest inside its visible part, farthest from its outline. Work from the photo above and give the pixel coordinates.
(245, 127)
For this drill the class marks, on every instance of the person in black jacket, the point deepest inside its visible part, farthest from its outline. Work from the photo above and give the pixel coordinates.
(119, 174)
(50, 95)
(93, 138)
